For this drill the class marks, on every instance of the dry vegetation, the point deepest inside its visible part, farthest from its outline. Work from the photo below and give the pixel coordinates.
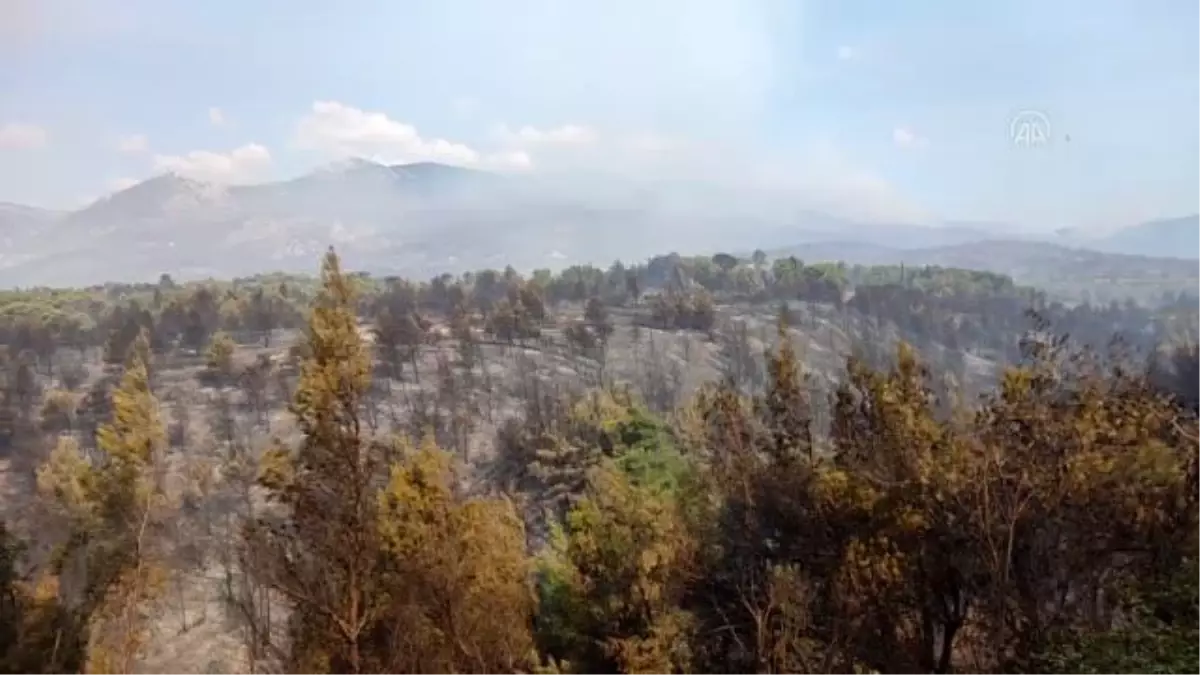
(691, 465)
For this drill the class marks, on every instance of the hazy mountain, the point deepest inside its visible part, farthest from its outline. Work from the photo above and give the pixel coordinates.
(1172, 237)
(821, 228)
(1069, 273)
(21, 230)
(12, 215)
(416, 219)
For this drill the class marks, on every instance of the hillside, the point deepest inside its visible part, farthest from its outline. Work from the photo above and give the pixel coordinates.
(1167, 237)
(422, 219)
(528, 384)
(1072, 274)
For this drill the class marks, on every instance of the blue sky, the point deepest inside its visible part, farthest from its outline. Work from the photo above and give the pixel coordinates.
(884, 109)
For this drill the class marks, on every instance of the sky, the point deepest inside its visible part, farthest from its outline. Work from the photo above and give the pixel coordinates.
(1039, 114)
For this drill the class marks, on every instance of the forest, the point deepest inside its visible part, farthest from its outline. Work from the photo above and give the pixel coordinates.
(692, 464)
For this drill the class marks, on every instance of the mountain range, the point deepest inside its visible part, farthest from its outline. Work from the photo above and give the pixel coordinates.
(425, 218)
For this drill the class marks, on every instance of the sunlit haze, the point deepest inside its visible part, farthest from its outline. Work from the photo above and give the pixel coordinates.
(882, 111)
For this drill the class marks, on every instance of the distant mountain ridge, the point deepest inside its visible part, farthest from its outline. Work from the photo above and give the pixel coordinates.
(1171, 237)
(422, 219)
(1068, 273)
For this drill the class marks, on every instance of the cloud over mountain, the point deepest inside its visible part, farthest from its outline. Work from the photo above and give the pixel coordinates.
(339, 130)
(240, 164)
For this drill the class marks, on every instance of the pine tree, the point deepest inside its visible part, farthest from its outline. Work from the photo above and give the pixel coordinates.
(116, 505)
(785, 406)
(322, 552)
(614, 580)
(459, 575)
(219, 359)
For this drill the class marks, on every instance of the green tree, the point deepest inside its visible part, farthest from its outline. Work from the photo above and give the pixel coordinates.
(614, 580)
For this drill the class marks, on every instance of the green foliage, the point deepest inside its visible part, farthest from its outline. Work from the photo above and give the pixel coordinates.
(1158, 634)
(613, 579)
(646, 453)
(1138, 649)
(548, 459)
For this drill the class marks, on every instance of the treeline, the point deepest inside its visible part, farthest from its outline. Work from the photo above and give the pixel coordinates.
(956, 308)
(1052, 527)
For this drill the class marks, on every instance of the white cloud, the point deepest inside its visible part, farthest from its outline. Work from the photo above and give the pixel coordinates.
(237, 165)
(124, 183)
(133, 144)
(16, 135)
(216, 117)
(825, 180)
(340, 130)
(907, 138)
(846, 53)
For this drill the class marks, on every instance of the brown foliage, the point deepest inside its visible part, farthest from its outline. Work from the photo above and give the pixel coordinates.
(384, 566)
(925, 545)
